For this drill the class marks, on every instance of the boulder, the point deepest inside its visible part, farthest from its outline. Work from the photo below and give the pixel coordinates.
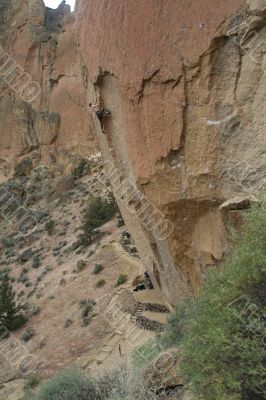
(238, 202)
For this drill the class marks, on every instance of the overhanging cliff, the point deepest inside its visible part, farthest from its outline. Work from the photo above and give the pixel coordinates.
(185, 82)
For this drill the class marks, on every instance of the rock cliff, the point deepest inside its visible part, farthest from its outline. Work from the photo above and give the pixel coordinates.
(53, 125)
(185, 146)
(185, 82)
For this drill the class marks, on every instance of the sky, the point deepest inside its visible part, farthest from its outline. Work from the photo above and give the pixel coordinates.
(55, 3)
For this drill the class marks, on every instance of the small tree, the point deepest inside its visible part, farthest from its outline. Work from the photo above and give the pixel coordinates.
(95, 215)
(121, 280)
(10, 313)
(50, 227)
(80, 170)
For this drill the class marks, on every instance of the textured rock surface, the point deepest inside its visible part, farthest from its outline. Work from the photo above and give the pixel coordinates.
(185, 82)
(42, 42)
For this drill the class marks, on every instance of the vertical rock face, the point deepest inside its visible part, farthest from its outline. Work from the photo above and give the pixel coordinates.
(41, 45)
(185, 83)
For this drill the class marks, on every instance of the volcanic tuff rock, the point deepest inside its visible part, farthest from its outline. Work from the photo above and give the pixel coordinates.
(43, 43)
(185, 81)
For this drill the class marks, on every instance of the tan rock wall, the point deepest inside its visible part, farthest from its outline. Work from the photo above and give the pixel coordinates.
(56, 126)
(185, 81)
(187, 126)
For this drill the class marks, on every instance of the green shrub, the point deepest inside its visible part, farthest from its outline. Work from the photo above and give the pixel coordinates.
(123, 384)
(28, 334)
(81, 265)
(80, 170)
(36, 262)
(121, 279)
(222, 332)
(50, 227)
(86, 306)
(86, 320)
(175, 328)
(74, 384)
(23, 277)
(119, 384)
(18, 321)
(95, 215)
(100, 283)
(32, 381)
(69, 385)
(86, 310)
(97, 269)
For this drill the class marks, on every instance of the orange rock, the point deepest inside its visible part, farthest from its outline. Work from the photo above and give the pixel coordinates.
(186, 113)
(50, 56)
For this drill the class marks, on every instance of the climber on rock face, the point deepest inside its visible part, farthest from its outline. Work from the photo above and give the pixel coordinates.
(99, 111)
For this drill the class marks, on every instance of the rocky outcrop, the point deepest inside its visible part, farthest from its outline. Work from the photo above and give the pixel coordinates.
(185, 82)
(39, 44)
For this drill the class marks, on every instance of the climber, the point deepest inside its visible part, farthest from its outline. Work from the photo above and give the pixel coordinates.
(99, 111)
